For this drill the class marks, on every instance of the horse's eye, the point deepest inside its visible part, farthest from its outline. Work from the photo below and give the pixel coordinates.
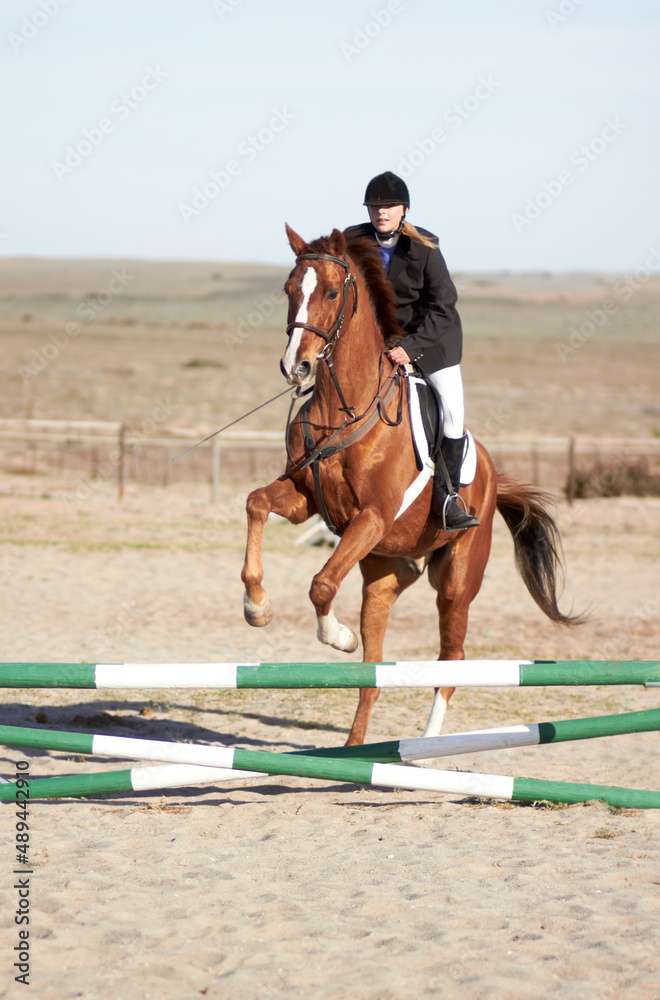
(333, 294)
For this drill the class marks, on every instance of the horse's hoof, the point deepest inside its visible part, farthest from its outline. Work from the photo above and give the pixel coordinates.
(333, 633)
(350, 643)
(257, 615)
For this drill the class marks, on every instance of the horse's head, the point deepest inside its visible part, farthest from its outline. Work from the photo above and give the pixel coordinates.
(318, 290)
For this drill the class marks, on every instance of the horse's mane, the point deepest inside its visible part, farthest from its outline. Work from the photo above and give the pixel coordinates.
(366, 258)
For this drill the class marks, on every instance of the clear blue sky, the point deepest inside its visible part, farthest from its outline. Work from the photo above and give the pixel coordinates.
(528, 130)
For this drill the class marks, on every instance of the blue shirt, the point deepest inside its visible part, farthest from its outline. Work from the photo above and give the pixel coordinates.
(386, 255)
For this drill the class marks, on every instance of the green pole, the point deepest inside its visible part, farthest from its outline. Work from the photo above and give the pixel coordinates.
(533, 790)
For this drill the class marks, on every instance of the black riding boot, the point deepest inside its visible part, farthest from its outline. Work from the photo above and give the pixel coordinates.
(447, 506)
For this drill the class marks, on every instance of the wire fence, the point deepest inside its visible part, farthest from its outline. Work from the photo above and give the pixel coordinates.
(112, 450)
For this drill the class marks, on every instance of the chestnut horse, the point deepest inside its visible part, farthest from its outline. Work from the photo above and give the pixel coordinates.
(356, 425)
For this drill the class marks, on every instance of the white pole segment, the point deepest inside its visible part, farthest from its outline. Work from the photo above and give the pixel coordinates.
(167, 675)
(176, 775)
(471, 742)
(427, 779)
(468, 673)
(175, 753)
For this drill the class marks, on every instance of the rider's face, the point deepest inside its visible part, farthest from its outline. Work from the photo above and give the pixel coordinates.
(385, 218)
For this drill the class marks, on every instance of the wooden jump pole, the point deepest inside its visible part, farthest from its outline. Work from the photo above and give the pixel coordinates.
(332, 769)
(354, 764)
(400, 751)
(400, 674)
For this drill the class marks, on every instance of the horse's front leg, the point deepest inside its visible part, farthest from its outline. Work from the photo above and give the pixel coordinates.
(384, 579)
(281, 497)
(364, 531)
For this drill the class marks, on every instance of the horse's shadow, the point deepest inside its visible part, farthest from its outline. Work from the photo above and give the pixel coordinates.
(98, 717)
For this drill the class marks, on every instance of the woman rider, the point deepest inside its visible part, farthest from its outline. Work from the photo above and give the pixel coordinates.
(432, 334)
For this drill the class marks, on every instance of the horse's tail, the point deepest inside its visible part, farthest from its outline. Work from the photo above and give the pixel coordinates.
(526, 511)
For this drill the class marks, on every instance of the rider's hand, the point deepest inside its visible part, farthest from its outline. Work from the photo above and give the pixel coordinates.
(398, 356)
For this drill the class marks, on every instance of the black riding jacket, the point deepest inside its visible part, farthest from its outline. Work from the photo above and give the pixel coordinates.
(426, 299)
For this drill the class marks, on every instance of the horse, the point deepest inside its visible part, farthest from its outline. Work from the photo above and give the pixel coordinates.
(350, 457)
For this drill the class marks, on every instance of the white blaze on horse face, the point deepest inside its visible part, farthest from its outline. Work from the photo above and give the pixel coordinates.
(307, 286)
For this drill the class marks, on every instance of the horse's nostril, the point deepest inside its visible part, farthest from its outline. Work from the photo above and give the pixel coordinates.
(303, 369)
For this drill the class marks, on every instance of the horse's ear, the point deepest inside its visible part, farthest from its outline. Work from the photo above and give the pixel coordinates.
(296, 242)
(337, 243)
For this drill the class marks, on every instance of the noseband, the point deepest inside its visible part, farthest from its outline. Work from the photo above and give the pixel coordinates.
(330, 336)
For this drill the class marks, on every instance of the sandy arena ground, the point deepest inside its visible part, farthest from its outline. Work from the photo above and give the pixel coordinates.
(286, 887)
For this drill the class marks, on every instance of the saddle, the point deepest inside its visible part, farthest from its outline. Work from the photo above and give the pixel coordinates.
(425, 426)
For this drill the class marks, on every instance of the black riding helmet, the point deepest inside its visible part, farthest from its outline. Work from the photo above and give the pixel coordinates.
(387, 189)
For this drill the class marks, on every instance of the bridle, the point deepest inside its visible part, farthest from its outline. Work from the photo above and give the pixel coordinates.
(376, 410)
(332, 335)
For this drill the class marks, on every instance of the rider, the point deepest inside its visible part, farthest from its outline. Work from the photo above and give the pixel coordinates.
(433, 338)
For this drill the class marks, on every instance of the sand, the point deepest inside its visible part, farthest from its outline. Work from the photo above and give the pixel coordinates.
(290, 887)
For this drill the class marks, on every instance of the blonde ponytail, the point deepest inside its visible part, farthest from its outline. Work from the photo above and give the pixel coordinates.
(414, 234)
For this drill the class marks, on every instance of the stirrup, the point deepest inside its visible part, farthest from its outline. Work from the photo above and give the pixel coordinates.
(466, 520)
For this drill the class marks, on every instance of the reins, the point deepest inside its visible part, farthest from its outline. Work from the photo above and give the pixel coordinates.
(238, 419)
(376, 410)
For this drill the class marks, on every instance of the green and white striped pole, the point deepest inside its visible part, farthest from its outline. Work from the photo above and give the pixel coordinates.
(399, 751)
(399, 674)
(345, 765)
(363, 772)
(135, 779)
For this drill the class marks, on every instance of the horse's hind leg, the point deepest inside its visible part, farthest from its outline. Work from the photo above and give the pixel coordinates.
(456, 573)
(281, 497)
(383, 579)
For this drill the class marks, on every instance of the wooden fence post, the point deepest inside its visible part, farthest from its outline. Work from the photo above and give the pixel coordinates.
(570, 492)
(120, 463)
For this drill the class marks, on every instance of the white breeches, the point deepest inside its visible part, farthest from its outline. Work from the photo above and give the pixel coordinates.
(448, 383)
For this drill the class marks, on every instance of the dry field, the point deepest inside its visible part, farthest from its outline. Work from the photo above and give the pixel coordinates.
(281, 888)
